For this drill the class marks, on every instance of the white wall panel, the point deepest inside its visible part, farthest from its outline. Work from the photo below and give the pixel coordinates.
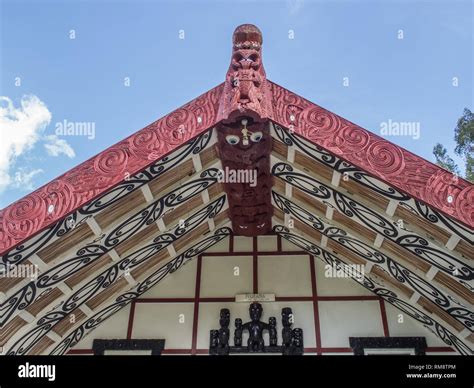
(226, 276)
(162, 321)
(343, 319)
(284, 275)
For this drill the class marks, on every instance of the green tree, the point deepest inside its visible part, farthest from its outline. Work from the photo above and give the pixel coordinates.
(464, 137)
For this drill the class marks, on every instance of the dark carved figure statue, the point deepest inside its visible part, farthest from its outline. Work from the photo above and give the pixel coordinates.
(224, 333)
(272, 322)
(286, 321)
(255, 327)
(214, 339)
(297, 341)
(238, 332)
(292, 339)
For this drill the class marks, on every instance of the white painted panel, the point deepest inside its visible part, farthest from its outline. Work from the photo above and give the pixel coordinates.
(221, 246)
(343, 319)
(243, 244)
(162, 321)
(402, 325)
(267, 243)
(284, 275)
(179, 284)
(287, 246)
(113, 328)
(333, 286)
(226, 276)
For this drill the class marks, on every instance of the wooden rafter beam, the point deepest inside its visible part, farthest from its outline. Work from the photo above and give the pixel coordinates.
(116, 240)
(370, 281)
(449, 263)
(349, 245)
(110, 280)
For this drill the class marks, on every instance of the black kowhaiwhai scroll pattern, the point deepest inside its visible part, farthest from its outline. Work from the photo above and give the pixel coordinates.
(109, 276)
(346, 169)
(366, 251)
(443, 333)
(72, 221)
(121, 301)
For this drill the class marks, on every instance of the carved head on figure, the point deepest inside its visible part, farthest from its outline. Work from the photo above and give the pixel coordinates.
(272, 321)
(245, 91)
(247, 43)
(255, 311)
(225, 318)
(286, 316)
(238, 323)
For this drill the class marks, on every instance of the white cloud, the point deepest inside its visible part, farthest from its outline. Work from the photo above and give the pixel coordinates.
(56, 146)
(294, 6)
(20, 129)
(24, 178)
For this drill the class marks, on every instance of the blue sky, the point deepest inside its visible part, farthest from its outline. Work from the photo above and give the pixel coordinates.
(82, 79)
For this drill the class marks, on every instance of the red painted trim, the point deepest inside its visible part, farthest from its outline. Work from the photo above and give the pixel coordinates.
(196, 304)
(279, 243)
(80, 351)
(307, 350)
(255, 264)
(250, 253)
(277, 298)
(28, 216)
(346, 298)
(383, 314)
(294, 298)
(388, 162)
(231, 243)
(336, 350)
(164, 300)
(314, 289)
(176, 351)
(211, 300)
(439, 349)
(131, 318)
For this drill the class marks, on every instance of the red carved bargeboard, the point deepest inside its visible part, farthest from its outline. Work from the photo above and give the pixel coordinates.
(91, 179)
(392, 164)
(246, 93)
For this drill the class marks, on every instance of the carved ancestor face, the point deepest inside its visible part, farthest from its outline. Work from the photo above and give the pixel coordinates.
(247, 42)
(298, 337)
(238, 322)
(225, 317)
(272, 321)
(255, 311)
(243, 144)
(246, 59)
(286, 314)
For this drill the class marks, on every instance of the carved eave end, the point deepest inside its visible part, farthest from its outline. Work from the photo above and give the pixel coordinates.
(246, 92)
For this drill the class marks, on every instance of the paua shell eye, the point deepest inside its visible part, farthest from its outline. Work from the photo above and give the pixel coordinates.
(232, 139)
(256, 137)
